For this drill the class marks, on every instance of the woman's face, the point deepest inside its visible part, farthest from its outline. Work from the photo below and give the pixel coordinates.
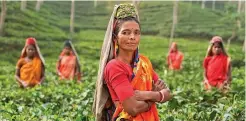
(174, 48)
(129, 36)
(67, 50)
(30, 50)
(216, 49)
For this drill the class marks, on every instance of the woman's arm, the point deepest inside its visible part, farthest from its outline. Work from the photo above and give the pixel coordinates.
(42, 74)
(204, 76)
(167, 61)
(229, 78)
(57, 66)
(154, 96)
(125, 93)
(205, 64)
(229, 73)
(134, 107)
(78, 72)
(17, 77)
(160, 93)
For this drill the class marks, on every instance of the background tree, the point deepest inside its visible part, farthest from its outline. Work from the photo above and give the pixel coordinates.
(3, 15)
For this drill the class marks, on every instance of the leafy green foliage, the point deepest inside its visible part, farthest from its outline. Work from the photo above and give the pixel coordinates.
(56, 100)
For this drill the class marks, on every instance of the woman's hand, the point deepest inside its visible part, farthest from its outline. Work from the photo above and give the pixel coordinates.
(159, 85)
(24, 84)
(58, 73)
(41, 80)
(226, 84)
(207, 85)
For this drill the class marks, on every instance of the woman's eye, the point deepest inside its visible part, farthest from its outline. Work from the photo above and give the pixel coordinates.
(124, 33)
(137, 33)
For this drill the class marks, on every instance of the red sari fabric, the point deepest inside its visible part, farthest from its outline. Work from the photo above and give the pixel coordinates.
(67, 66)
(174, 58)
(216, 68)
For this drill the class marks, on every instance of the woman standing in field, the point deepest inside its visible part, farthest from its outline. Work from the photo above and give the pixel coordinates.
(68, 65)
(217, 66)
(30, 67)
(126, 79)
(175, 57)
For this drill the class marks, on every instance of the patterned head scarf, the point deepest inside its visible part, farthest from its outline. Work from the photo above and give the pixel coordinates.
(216, 39)
(108, 52)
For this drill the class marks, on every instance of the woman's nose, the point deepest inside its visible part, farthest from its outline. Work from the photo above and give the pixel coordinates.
(132, 36)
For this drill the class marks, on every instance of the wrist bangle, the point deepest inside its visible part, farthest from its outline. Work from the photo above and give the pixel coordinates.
(161, 96)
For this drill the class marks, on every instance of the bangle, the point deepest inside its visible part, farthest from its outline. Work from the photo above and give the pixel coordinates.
(162, 97)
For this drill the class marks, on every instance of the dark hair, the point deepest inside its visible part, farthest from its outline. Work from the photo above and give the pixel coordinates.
(119, 23)
(220, 44)
(67, 44)
(33, 46)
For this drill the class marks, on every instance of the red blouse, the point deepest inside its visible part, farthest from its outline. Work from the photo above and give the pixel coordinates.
(117, 75)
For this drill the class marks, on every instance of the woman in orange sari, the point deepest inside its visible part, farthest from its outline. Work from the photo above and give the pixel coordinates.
(68, 65)
(174, 58)
(217, 66)
(126, 79)
(30, 67)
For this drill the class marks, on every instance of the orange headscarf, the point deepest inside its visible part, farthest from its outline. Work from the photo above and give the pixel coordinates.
(142, 81)
(174, 58)
(30, 72)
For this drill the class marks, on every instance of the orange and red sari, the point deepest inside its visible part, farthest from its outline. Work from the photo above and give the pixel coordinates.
(216, 68)
(67, 66)
(30, 72)
(174, 58)
(142, 81)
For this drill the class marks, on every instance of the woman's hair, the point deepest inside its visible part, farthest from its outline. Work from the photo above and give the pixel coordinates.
(67, 44)
(118, 23)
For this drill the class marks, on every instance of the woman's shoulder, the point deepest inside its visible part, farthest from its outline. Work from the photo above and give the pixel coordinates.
(116, 65)
(21, 62)
(181, 53)
(112, 63)
(208, 58)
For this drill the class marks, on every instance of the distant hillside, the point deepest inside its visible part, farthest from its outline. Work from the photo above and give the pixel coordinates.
(52, 21)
